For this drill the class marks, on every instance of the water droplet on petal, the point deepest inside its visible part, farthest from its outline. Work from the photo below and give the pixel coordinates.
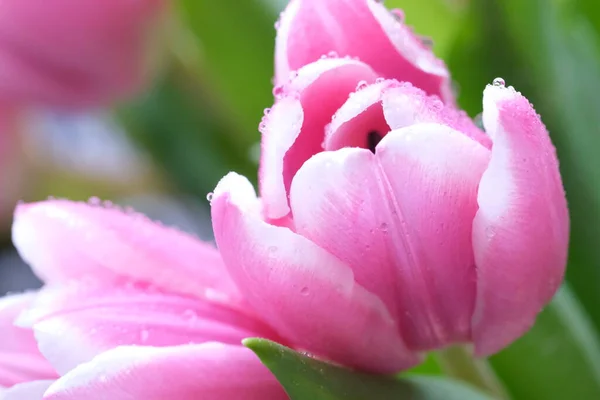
(332, 54)
(94, 201)
(278, 91)
(305, 291)
(379, 80)
(398, 14)
(267, 111)
(361, 85)
(210, 196)
(499, 82)
(426, 41)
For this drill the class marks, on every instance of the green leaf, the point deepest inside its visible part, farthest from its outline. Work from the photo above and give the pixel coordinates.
(559, 358)
(306, 378)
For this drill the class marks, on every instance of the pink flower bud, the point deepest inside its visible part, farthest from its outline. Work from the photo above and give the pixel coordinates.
(393, 225)
(73, 53)
(361, 29)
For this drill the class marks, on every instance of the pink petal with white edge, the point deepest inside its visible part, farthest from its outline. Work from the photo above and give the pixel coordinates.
(26, 391)
(294, 129)
(76, 322)
(63, 240)
(365, 29)
(401, 219)
(309, 296)
(20, 359)
(210, 371)
(521, 231)
(389, 105)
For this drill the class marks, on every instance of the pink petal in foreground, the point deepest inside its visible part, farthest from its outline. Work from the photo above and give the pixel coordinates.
(64, 240)
(294, 128)
(365, 29)
(210, 371)
(26, 391)
(401, 219)
(20, 359)
(520, 233)
(309, 296)
(76, 322)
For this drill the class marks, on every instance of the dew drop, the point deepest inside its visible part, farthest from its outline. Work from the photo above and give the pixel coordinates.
(332, 54)
(210, 196)
(398, 14)
(94, 201)
(361, 85)
(278, 91)
(426, 41)
(305, 291)
(499, 82)
(379, 80)
(267, 111)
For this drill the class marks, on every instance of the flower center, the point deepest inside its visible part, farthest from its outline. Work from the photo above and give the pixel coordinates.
(373, 139)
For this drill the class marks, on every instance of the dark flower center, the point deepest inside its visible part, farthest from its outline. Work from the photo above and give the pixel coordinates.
(373, 139)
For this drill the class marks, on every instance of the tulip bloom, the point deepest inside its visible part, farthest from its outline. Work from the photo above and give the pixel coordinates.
(363, 29)
(131, 309)
(20, 359)
(389, 224)
(73, 53)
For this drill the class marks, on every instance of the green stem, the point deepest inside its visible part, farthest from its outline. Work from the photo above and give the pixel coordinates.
(458, 362)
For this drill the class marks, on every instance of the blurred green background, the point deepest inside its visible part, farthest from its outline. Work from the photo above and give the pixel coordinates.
(199, 120)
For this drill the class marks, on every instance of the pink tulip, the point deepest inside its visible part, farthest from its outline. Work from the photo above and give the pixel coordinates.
(132, 309)
(73, 53)
(399, 227)
(20, 359)
(365, 29)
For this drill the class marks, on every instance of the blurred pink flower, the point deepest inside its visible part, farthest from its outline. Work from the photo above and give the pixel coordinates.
(130, 309)
(363, 29)
(389, 224)
(12, 169)
(73, 53)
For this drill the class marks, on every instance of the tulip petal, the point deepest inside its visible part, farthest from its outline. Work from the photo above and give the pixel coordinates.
(26, 391)
(63, 240)
(520, 233)
(294, 129)
(210, 371)
(388, 105)
(401, 218)
(365, 29)
(75, 322)
(305, 293)
(20, 359)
